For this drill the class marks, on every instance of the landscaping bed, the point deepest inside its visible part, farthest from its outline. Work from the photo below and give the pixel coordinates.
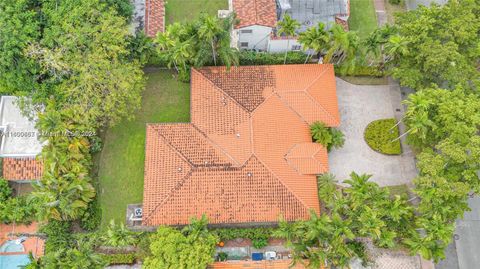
(121, 164)
(379, 136)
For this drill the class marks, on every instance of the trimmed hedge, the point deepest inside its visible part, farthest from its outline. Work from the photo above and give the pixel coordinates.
(379, 137)
(263, 58)
(359, 71)
(114, 259)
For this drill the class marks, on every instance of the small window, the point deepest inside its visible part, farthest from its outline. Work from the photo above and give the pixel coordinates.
(243, 44)
(249, 31)
(296, 47)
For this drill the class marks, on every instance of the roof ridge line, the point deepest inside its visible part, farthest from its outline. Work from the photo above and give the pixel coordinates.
(180, 183)
(281, 182)
(215, 144)
(175, 149)
(222, 91)
(313, 99)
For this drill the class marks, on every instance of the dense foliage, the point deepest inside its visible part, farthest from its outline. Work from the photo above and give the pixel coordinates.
(81, 73)
(115, 259)
(382, 136)
(327, 136)
(259, 236)
(202, 42)
(16, 209)
(193, 247)
(360, 210)
(437, 44)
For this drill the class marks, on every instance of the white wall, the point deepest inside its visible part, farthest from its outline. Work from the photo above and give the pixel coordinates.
(280, 45)
(257, 39)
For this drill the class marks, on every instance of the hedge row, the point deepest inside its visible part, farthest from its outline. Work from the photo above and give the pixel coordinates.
(114, 259)
(293, 57)
(379, 136)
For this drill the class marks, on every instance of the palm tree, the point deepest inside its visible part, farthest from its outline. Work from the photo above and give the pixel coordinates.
(315, 38)
(119, 235)
(343, 45)
(288, 27)
(209, 30)
(397, 46)
(321, 133)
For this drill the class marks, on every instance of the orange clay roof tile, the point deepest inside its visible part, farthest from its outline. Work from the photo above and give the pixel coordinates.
(22, 169)
(255, 12)
(154, 17)
(247, 156)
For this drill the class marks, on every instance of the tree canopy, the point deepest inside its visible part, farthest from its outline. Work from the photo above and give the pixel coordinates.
(437, 45)
(193, 247)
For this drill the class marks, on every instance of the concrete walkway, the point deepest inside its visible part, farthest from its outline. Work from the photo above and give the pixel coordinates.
(381, 12)
(359, 105)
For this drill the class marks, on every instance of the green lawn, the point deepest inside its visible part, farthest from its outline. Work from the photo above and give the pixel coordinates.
(187, 10)
(122, 159)
(362, 17)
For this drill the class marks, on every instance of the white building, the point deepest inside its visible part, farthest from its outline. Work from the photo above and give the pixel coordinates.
(19, 143)
(258, 19)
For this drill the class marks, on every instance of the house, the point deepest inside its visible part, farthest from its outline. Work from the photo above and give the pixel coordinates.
(19, 144)
(148, 17)
(257, 28)
(247, 156)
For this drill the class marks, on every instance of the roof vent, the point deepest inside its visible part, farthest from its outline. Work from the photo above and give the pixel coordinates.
(238, 135)
(249, 174)
(179, 169)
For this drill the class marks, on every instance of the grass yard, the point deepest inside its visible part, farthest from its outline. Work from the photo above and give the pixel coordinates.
(391, 9)
(362, 17)
(121, 163)
(186, 10)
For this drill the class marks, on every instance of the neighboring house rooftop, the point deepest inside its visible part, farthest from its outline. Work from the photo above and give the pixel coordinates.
(265, 264)
(154, 17)
(310, 12)
(22, 169)
(247, 155)
(255, 12)
(19, 135)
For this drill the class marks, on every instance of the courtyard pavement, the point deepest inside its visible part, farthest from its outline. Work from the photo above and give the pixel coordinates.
(359, 105)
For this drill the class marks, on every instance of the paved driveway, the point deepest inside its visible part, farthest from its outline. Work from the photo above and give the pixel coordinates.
(360, 105)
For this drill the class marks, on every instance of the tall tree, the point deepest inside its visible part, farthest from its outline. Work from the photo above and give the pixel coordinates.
(314, 38)
(443, 44)
(19, 26)
(287, 27)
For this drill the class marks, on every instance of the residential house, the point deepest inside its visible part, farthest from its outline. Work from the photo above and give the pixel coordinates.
(19, 144)
(247, 156)
(257, 28)
(154, 20)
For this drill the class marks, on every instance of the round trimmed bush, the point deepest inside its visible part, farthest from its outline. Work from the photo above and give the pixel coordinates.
(379, 136)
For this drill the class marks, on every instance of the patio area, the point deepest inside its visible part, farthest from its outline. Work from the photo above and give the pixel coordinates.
(18, 239)
(359, 105)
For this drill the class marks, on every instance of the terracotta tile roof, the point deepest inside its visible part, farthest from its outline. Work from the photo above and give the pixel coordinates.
(247, 156)
(275, 264)
(22, 169)
(255, 12)
(154, 17)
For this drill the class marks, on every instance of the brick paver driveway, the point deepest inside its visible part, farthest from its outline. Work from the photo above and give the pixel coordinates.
(360, 105)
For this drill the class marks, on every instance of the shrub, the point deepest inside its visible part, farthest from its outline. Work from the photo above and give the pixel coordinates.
(259, 236)
(117, 235)
(58, 234)
(263, 58)
(379, 136)
(260, 242)
(17, 209)
(395, 2)
(222, 256)
(95, 144)
(5, 190)
(371, 71)
(328, 137)
(92, 217)
(114, 259)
